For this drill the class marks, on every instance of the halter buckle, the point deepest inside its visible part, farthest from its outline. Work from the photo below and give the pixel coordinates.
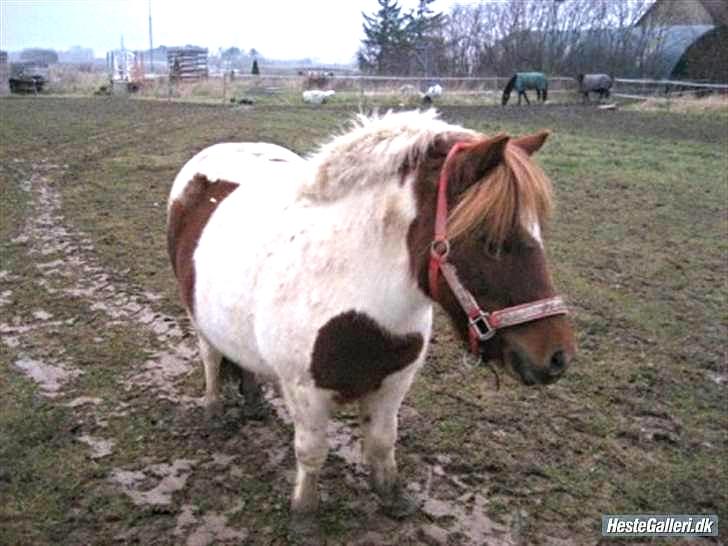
(480, 325)
(439, 249)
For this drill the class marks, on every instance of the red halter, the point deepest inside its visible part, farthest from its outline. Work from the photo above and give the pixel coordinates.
(481, 325)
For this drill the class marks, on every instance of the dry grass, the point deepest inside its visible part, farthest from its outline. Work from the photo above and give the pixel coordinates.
(685, 105)
(69, 80)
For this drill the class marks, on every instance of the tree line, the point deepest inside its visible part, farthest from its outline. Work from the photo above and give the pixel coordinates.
(499, 37)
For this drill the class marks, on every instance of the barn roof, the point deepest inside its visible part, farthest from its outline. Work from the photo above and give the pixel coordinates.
(677, 40)
(717, 10)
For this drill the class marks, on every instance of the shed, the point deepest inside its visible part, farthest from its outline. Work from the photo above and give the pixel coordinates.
(187, 63)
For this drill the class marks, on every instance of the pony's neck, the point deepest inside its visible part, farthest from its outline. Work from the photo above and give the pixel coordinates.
(510, 84)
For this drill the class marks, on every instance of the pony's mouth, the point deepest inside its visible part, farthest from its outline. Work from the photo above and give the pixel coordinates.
(526, 373)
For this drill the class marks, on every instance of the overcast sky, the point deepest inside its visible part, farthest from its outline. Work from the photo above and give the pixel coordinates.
(327, 30)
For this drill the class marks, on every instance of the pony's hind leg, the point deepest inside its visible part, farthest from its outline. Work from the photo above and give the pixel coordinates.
(254, 404)
(211, 359)
(378, 419)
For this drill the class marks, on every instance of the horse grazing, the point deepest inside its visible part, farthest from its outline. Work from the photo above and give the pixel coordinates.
(594, 83)
(522, 81)
(322, 273)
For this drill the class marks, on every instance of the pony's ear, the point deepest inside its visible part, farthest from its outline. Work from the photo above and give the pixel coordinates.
(482, 156)
(532, 143)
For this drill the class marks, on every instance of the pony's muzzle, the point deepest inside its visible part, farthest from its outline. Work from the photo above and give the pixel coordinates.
(532, 374)
(558, 363)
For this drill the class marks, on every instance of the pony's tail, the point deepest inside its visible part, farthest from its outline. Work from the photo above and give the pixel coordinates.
(545, 93)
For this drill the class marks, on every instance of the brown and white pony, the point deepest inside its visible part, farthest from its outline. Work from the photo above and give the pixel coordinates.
(322, 273)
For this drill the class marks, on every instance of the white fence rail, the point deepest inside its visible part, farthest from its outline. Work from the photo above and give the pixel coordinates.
(466, 90)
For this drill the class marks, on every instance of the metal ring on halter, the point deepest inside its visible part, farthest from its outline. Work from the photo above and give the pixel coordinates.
(482, 326)
(440, 254)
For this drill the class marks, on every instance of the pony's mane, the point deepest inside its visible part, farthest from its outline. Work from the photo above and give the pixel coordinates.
(373, 151)
(515, 194)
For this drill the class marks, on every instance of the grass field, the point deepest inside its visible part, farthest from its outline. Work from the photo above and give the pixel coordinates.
(102, 439)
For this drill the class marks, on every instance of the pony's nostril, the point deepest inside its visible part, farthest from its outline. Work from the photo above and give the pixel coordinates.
(558, 363)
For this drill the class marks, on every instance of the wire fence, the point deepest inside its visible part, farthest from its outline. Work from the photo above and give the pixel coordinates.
(394, 91)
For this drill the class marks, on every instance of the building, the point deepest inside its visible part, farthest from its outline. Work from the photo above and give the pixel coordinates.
(686, 12)
(4, 74)
(187, 63)
(695, 40)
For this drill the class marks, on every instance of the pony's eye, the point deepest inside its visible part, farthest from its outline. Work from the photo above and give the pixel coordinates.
(491, 248)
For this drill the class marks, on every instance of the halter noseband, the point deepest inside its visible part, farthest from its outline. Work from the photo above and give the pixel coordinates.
(481, 325)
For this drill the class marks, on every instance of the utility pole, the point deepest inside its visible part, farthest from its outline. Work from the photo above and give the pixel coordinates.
(151, 45)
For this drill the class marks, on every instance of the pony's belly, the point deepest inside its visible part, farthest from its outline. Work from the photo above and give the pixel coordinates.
(224, 314)
(233, 248)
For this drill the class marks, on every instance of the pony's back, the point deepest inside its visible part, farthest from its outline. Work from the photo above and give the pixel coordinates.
(233, 162)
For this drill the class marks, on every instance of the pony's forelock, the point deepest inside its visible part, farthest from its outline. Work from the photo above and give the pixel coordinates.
(514, 195)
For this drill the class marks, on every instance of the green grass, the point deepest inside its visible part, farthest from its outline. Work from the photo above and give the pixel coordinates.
(637, 245)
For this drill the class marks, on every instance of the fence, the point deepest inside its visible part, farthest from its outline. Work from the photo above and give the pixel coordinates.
(643, 88)
(394, 91)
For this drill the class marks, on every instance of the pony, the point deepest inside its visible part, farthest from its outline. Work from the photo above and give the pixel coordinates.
(522, 81)
(432, 92)
(322, 273)
(315, 96)
(596, 83)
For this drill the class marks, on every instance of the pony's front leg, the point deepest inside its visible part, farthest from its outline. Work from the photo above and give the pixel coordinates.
(525, 97)
(378, 418)
(310, 409)
(211, 359)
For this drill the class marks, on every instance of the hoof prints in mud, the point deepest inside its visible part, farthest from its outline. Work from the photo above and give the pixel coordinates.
(49, 378)
(78, 274)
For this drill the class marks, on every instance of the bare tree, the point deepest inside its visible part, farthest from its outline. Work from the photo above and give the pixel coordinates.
(499, 37)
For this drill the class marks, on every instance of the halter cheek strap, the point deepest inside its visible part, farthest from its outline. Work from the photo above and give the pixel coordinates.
(481, 325)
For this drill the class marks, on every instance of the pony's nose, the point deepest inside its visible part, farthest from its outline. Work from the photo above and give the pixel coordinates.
(558, 363)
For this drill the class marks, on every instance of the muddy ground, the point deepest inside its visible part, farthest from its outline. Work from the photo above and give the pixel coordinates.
(102, 436)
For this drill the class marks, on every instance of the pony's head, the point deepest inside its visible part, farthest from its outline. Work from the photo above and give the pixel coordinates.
(507, 90)
(499, 200)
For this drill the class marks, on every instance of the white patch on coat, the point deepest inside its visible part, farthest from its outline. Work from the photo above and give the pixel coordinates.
(534, 229)
(346, 163)
(234, 162)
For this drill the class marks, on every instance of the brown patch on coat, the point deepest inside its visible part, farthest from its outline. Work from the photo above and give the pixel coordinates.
(422, 229)
(353, 354)
(188, 216)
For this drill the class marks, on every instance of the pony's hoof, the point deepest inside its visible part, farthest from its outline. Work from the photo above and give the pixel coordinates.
(400, 508)
(397, 504)
(259, 411)
(214, 410)
(304, 529)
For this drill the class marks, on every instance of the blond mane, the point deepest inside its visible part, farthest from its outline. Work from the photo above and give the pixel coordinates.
(516, 193)
(373, 152)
